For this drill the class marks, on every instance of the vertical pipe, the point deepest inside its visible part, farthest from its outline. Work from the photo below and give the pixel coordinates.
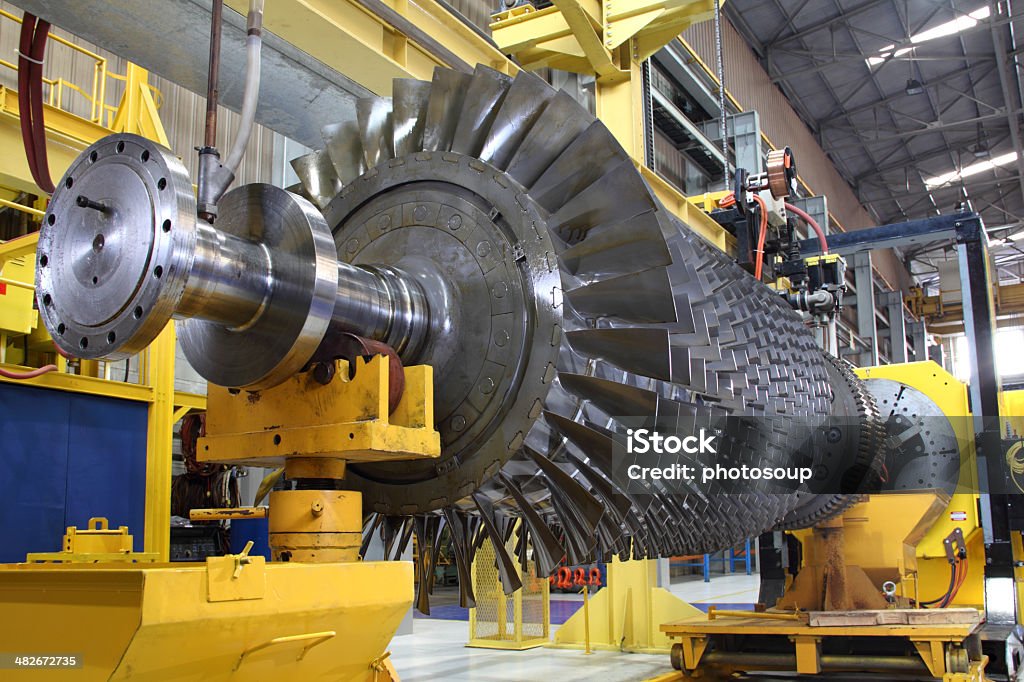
(210, 137)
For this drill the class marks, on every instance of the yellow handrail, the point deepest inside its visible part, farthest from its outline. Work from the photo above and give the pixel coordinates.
(23, 208)
(100, 112)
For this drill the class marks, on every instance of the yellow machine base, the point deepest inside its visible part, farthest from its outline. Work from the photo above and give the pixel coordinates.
(214, 621)
(940, 648)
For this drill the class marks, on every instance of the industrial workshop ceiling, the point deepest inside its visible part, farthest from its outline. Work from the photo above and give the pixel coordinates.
(917, 103)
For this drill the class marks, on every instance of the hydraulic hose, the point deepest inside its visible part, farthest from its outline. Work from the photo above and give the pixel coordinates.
(254, 43)
(813, 223)
(28, 26)
(27, 375)
(42, 176)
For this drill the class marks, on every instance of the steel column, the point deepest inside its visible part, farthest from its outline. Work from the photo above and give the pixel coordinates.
(893, 301)
(865, 305)
(993, 475)
(919, 333)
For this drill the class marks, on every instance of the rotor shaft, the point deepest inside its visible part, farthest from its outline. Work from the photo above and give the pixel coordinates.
(231, 280)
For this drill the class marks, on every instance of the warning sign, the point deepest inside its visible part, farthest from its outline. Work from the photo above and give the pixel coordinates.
(957, 516)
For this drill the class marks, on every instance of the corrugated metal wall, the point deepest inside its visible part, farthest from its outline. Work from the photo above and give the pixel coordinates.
(748, 82)
(181, 111)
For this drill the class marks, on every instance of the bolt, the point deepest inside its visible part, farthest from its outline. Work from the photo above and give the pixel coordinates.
(85, 202)
(317, 507)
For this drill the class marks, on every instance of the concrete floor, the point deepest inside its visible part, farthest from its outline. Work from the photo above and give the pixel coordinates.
(436, 650)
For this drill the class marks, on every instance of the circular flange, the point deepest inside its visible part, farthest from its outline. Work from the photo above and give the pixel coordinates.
(115, 249)
(923, 447)
(298, 308)
(480, 247)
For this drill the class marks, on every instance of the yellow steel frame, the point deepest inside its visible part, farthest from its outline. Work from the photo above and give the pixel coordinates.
(627, 614)
(929, 640)
(360, 44)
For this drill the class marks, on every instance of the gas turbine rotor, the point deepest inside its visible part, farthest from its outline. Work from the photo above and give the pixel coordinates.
(648, 318)
(494, 229)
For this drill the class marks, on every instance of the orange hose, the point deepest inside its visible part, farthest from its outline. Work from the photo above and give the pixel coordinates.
(762, 235)
(27, 375)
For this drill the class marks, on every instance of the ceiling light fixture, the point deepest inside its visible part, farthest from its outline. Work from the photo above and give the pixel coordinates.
(951, 27)
(914, 87)
(967, 171)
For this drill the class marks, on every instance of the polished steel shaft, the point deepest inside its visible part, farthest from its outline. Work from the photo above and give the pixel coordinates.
(231, 279)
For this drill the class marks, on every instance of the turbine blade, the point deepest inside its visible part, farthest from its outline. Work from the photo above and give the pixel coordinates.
(318, 177)
(614, 398)
(485, 94)
(375, 129)
(548, 551)
(587, 506)
(645, 351)
(643, 297)
(522, 106)
(409, 114)
(345, 149)
(556, 127)
(447, 92)
(619, 248)
(591, 155)
(615, 196)
(460, 547)
(510, 580)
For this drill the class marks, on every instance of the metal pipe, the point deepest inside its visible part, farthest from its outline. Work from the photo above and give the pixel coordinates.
(210, 138)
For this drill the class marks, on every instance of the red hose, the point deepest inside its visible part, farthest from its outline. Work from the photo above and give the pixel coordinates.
(32, 48)
(814, 225)
(28, 25)
(27, 375)
(38, 125)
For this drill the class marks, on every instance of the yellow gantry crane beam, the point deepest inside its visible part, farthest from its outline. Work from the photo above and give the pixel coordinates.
(375, 41)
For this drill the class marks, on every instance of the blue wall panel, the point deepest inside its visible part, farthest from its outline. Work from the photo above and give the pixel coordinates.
(64, 458)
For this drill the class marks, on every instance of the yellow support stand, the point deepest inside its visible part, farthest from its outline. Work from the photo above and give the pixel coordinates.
(627, 614)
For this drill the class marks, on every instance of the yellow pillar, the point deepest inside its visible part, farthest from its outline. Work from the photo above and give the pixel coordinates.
(160, 377)
(137, 111)
(619, 103)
